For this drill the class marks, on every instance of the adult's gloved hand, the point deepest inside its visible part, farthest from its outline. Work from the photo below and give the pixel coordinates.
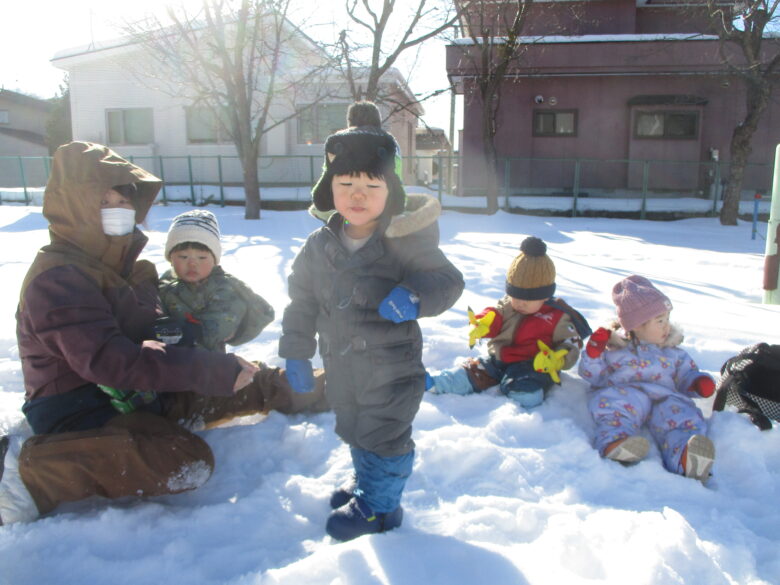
(703, 386)
(167, 330)
(192, 331)
(597, 342)
(300, 375)
(400, 305)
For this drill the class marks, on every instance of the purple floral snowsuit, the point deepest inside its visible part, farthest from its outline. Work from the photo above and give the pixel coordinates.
(644, 383)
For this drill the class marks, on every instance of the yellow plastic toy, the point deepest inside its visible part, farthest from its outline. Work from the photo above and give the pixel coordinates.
(548, 361)
(480, 327)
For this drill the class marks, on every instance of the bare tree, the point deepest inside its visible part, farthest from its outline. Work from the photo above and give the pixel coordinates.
(754, 58)
(392, 27)
(246, 63)
(58, 123)
(496, 44)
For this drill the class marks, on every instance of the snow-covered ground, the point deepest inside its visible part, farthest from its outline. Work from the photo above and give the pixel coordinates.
(499, 495)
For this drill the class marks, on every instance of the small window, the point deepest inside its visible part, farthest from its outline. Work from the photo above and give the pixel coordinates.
(133, 126)
(315, 124)
(557, 123)
(203, 127)
(670, 125)
(4, 118)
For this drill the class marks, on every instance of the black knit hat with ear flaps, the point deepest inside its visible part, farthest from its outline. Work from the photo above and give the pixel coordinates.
(366, 149)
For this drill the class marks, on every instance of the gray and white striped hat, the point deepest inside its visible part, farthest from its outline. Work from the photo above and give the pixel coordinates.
(198, 226)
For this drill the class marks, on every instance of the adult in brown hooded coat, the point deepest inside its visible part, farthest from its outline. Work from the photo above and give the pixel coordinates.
(85, 318)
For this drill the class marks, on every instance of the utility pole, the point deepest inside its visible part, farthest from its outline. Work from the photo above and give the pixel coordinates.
(772, 253)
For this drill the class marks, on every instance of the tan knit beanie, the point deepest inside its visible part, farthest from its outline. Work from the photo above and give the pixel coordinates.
(531, 276)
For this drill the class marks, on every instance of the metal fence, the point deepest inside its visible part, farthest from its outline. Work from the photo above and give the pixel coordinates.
(457, 183)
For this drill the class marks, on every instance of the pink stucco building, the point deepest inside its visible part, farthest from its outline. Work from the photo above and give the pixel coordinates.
(613, 84)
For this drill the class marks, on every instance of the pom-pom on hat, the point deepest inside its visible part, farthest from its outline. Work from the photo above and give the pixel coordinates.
(361, 148)
(199, 226)
(638, 301)
(531, 276)
(363, 114)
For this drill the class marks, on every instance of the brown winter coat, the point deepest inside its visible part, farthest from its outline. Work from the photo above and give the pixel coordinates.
(87, 305)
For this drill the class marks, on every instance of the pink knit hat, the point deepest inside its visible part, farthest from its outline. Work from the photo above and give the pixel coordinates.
(638, 301)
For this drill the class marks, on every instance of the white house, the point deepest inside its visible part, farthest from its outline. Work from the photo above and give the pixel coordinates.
(22, 134)
(432, 144)
(114, 102)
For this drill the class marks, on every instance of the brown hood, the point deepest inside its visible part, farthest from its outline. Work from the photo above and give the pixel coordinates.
(81, 174)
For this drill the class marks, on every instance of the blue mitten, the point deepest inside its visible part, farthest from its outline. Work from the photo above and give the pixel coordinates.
(300, 375)
(400, 305)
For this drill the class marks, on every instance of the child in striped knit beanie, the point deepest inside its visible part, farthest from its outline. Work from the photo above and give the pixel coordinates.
(210, 308)
(531, 335)
(197, 291)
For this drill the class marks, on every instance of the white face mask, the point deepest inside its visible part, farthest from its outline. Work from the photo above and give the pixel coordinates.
(117, 221)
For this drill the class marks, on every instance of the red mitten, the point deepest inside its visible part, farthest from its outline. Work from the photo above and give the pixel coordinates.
(597, 342)
(703, 386)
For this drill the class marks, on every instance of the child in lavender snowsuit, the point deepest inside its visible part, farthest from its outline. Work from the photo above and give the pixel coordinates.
(639, 376)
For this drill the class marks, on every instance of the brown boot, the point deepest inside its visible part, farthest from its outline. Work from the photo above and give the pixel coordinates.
(478, 376)
(313, 401)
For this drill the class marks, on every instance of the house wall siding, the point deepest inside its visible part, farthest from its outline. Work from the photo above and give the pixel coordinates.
(23, 117)
(105, 80)
(605, 132)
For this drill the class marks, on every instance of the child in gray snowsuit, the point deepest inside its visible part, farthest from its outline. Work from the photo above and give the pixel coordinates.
(360, 283)
(639, 376)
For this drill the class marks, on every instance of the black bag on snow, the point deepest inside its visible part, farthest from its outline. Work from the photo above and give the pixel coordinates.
(750, 381)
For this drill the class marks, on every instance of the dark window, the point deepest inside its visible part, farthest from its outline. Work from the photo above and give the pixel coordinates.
(132, 126)
(203, 127)
(663, 124)
(315, 124)
(557, 123)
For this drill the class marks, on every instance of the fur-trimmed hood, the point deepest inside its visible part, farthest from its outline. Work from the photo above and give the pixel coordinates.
(619, 339)
(421, 211)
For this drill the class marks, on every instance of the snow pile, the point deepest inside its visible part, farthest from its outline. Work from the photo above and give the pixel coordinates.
(499, 494)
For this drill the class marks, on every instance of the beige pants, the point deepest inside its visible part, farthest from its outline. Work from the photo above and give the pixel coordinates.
(143, 454)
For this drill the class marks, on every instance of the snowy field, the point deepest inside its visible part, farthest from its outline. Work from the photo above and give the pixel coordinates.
(499, 495)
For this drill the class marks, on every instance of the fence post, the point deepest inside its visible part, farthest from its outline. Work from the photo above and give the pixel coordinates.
(506, 184)
(24, 181)
(716, 190)
(754, 231)
(645, 180)
(192, 187)
(311, 169)
(221, 184)
(162, 178)
(441, 177)
(576, 187)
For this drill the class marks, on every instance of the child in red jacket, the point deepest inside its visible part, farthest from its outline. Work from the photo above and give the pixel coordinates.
(532, 336)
